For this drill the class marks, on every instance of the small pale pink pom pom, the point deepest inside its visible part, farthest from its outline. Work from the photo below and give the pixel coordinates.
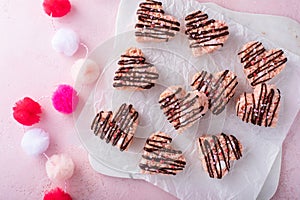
(59, 167)
(85, 71)
(65, 99)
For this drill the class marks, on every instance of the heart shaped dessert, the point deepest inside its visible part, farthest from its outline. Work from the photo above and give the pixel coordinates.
(261, 107)
(134, 72)
(217, 152)
(153, 24)
(261, 65)
(183, 108)
(159, 157)
(219, 88)
(116, 128)
(205, 35)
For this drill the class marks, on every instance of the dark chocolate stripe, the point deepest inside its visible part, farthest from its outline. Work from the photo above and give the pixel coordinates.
(195, 18)
(135, 79)
(137, 70)
(152, 35)
(155, 33)
(153, 20)
(147, 86)
(275, 109)
(161, 170)
(155, 148)
(147, 6)
(200, 42)
(164, 160)
(129, 60)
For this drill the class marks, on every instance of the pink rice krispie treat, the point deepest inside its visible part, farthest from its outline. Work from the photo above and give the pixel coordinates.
(205, 35)
(116, 128)
(261, 65)
(183, 108)
(134, 72)
(219, 88)
(261, 107)
(153, 24)
(217, 153)
(159, 157)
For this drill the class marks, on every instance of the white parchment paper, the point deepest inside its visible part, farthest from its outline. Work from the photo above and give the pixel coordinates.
(176, 65)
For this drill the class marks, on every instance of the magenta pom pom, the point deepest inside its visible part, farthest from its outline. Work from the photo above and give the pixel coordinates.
(65, 99)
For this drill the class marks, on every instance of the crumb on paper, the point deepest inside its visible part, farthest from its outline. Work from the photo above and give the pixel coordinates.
(264, 33)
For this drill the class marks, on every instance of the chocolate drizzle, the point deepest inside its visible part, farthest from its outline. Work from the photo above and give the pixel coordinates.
(159, 157)
(261, 62)
(135, 72)
(117, 130)
(217, 89)
(260, 111)
(201, 30)
(216, 149)
(153, 24)
(181, 112)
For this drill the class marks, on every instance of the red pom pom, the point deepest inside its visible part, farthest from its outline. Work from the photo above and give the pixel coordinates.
(57, 8)
(57, 194)
(26, 111)
(65, 99)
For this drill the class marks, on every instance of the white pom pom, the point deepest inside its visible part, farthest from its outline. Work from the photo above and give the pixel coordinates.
(35, 141)
(85, 71)
(65, 41)
(59, 167)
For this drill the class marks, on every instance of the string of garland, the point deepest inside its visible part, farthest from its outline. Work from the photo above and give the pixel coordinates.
(27, 112)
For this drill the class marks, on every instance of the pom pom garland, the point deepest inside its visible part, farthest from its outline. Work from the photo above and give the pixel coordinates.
(59, 167)
(26, 111)
(85, 71)
(65, 41)
(57, 194)
(57, 8)
(65, 99)
(35, 141)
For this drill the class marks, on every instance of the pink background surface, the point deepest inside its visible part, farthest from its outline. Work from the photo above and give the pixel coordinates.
(29, 67)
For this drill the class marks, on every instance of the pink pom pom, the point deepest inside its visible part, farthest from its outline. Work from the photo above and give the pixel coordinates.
(26, 111)
(57, 194)
(57, 8)
(65, 99)
(60, 167)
